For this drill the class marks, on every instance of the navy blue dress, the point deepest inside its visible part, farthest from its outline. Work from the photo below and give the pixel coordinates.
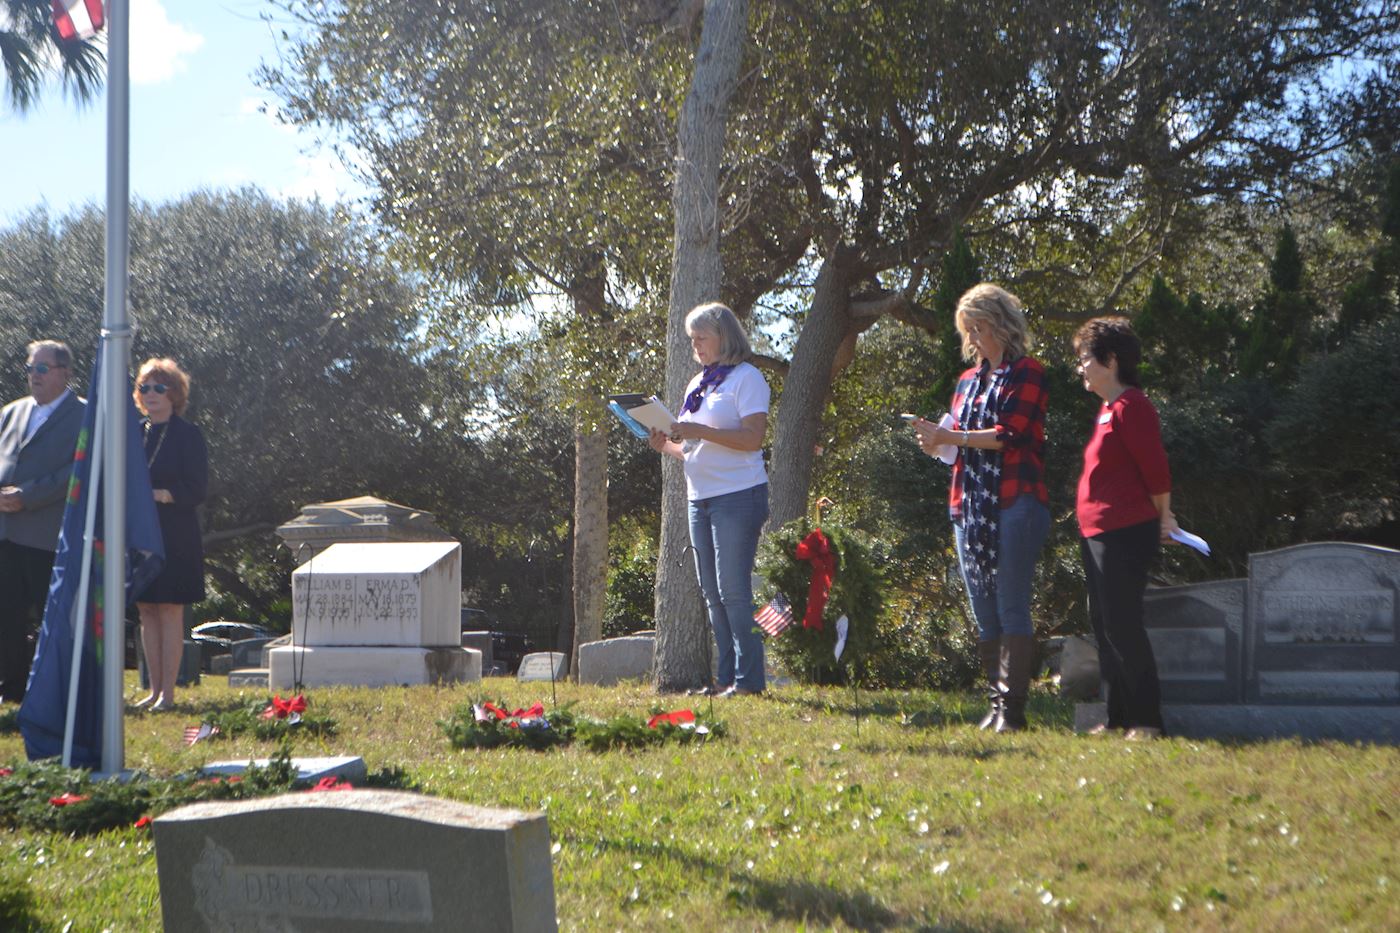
(179, 462)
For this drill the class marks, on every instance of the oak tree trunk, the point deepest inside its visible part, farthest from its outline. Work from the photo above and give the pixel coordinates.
(797, 430)
(590, 559)
(683, 641)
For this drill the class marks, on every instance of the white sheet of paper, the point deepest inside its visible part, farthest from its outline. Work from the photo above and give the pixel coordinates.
(1190, 540)
(654, 415)
(948, 453)
(843, 626)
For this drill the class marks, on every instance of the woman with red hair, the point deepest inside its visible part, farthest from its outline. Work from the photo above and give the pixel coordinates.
(179, 465)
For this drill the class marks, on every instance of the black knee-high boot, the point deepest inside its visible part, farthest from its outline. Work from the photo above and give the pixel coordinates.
(1017, 655)
(989, 653)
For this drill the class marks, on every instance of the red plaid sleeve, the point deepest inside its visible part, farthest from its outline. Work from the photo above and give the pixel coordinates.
(1021, 429)
(1021, 419)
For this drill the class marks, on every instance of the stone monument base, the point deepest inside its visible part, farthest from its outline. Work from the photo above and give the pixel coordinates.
(371, 667)
(1380, 724)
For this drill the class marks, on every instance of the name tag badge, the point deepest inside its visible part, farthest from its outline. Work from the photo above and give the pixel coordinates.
(1106, 417)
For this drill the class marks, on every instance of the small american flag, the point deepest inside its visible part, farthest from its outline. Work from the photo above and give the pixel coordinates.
(197, 733)
(775, 617)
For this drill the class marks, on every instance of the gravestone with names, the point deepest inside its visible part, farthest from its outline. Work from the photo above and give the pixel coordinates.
(353, 862)
(543, 665)
(1305, 646)
(1323, 623)
(376, 614)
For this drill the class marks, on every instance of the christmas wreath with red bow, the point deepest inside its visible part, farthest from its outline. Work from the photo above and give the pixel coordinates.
(484, 724)
(825, 571)
(267, 720)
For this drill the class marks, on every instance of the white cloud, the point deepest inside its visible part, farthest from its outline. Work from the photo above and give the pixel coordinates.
(321, 174)
(159, 48)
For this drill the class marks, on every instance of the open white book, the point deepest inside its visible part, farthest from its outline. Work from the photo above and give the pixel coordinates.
(645, 410)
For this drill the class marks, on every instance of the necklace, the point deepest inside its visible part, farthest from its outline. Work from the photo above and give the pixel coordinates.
(164, 430)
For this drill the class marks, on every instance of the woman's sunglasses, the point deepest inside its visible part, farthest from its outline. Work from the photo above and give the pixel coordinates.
(158, 388)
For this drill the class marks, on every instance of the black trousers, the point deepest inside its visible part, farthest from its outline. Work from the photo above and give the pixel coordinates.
(24, 588)
(1115, 569)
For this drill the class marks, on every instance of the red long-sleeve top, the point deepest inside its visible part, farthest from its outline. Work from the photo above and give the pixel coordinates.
(1125, 465)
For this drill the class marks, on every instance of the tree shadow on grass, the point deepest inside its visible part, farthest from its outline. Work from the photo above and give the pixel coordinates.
(812, 904)
(955, 710)
(845, 702)
(969, 753)
(816, 905)
(794, 900)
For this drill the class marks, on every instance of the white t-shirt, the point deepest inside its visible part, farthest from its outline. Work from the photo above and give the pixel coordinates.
(712, 469)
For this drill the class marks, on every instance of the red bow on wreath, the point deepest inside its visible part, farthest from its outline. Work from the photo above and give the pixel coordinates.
(282, 709)
(486, 712)
(817, 550)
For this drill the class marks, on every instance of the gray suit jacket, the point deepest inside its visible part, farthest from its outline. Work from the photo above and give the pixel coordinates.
(40, 467)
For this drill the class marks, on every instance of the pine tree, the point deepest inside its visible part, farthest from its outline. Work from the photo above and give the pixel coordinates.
(960, 271)
(1284, 319)
(1374, 295)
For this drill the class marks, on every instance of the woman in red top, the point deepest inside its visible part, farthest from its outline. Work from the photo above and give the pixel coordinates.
(1124, 510)
(997, 499)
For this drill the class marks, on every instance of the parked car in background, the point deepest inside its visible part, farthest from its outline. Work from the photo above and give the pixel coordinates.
(507, 648)
(215, 638)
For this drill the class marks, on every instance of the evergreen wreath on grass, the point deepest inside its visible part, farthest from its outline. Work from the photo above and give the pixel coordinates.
(269, 720)
(857, 592)
(495, 725)
(44, 796)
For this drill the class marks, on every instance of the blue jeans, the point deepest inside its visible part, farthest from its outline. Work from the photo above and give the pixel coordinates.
(724, 530)
(1021, 531)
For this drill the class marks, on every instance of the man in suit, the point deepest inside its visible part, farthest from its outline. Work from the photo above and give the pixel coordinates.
(37, 437)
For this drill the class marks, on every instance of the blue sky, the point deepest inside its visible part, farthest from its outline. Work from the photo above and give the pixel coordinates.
(195, 121)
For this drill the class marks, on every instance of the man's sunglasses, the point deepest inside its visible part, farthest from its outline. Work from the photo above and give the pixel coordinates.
(158, 388)
(41, 368)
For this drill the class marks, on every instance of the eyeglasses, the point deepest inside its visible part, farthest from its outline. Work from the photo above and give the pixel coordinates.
(159, 388)
(42, 368)
(1086, 359)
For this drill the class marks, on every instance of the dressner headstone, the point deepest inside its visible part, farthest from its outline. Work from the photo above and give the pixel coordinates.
(353, 862)
(1323, 623)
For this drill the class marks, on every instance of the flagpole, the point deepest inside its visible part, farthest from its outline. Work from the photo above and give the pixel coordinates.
(116, 359)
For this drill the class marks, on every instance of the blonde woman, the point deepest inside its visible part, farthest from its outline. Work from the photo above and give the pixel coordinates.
(179, 465)
(997, 500)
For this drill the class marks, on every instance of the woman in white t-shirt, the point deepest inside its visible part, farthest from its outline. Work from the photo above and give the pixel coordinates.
(719, 439)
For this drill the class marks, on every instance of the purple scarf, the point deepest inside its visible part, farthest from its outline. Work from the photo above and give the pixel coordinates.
(711, 376)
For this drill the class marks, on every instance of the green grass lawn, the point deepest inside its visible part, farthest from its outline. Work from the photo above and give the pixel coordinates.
(796, 821)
